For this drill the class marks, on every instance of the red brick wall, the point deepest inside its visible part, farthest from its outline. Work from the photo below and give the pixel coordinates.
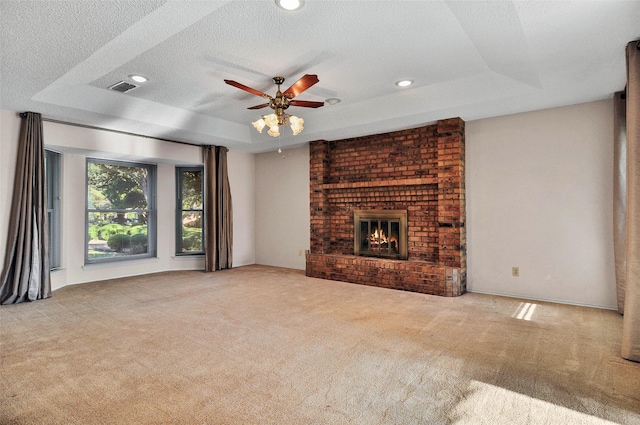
(420, 170)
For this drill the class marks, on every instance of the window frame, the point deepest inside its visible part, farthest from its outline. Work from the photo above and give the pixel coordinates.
(179, 210)
(53, 182)
(152, 210)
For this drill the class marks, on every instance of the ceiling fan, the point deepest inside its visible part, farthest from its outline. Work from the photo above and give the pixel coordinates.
(280, 102)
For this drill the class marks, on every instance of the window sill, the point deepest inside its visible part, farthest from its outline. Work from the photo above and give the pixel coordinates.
(188, 257)
(121, 263)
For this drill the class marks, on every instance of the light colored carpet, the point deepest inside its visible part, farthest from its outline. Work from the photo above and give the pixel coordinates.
(264, 345)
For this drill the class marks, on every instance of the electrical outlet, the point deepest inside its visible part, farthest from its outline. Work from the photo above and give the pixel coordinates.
(515, 271)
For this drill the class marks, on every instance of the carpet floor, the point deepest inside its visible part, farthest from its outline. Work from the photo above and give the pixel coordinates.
(265, 345)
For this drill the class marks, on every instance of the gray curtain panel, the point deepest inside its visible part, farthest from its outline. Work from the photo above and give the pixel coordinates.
(225, 211)
(26, 274)
(210, 209)
(631, 319)
(620, 194)
(218, 210)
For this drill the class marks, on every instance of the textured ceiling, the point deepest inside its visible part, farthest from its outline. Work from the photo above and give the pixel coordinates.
(468, 59)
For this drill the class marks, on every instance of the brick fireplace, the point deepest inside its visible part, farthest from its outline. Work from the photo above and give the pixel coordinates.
(419, 171)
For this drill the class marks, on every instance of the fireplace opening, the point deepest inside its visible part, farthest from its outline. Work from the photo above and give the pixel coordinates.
(380, 233)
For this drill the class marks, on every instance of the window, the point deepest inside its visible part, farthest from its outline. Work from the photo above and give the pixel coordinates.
(52, 182)
(121, 211)
(189, 213)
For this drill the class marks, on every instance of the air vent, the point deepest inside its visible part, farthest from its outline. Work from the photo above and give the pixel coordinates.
(123, 87)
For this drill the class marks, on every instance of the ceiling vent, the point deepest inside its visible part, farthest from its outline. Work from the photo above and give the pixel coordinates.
(123, 87)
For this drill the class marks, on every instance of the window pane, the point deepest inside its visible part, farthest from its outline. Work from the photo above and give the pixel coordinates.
(117, 187)
(189, 210)
(192, 189)
(52, 179)
(192, 231)
(49, 177)
(120, 215)
(109, 237)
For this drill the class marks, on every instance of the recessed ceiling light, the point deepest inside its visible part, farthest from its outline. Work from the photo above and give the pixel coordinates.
(333, 100)
(290, 4)
(404, 83)
(138, 78)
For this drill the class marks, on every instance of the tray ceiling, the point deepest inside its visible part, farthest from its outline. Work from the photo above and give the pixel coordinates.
(468, 59)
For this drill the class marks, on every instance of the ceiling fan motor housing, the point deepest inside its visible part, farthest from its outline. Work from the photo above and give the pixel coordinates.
(279, 102)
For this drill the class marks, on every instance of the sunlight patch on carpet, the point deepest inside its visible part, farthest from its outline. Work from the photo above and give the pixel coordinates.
(525, 311)
(487, 404)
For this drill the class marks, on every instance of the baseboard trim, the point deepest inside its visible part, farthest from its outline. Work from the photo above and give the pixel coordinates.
(548, 300)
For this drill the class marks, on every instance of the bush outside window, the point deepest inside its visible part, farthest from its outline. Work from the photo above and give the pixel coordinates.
(120, 211)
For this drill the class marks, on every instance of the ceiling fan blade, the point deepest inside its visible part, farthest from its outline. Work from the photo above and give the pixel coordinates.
(248, 89)
(301, 85)
(259, 106)
(306, 103)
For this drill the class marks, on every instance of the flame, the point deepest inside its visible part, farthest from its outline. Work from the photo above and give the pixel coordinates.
(378, 238)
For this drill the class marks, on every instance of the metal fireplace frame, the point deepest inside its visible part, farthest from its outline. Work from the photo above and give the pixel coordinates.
(381, 215)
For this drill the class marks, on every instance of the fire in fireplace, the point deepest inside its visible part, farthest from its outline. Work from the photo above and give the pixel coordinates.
(380, 233)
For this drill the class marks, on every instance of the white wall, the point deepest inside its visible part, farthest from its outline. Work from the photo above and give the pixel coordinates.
(282, 208)
(76, 144)
(242, 179)
(9, 133)
(539, 197)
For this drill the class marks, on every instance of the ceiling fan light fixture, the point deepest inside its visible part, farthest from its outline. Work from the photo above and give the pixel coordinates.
(297, 124)
(274, 131)
(259, 125)
(289, 4)
(271, 120)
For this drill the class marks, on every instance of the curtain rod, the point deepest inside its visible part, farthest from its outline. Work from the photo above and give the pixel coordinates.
(91, 127)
